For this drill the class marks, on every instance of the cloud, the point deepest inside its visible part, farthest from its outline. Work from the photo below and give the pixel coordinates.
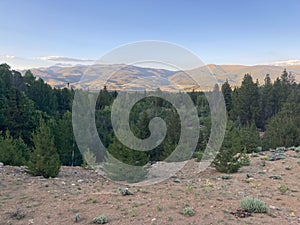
(292, 62)
(64, 59)
(7, 57)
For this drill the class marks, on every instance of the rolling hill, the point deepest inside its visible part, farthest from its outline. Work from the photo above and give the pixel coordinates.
(121, 77)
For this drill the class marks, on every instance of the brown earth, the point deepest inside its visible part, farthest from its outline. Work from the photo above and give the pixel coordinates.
(213, 198)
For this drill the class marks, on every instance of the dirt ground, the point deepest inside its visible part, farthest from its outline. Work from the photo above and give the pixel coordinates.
(210, 194)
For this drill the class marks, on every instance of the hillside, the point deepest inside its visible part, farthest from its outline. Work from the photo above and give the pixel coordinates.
(135, 77)
(212, 195)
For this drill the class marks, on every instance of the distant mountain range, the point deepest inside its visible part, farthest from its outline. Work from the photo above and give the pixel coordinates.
(136, 78)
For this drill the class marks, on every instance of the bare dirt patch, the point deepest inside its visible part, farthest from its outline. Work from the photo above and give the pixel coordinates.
(212, 195)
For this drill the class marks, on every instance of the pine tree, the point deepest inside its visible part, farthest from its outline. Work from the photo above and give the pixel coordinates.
(44, 160)
(267, 101)
(230, 157)
(12, 151)
(247, 101)
(227, 92)
(125, 164)
(249, 138)
(283, 128)
(69, 153)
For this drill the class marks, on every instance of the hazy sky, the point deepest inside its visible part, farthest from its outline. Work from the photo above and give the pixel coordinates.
(220, 32)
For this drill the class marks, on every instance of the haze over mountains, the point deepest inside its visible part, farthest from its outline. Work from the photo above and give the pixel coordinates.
(124, 76)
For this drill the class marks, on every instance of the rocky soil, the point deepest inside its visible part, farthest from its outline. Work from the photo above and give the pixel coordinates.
(79, 194)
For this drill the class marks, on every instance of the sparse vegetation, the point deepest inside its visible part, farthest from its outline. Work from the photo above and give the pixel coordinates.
(276, 177)
(158, 207)
(18, 214)
(89, 159)
(283, 189)
(77, 218)
(126, 191)
(53, 144)
(187, 211)
(254, 205)
(100, 220)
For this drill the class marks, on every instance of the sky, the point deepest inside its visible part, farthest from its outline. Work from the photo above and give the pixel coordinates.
(44, 32)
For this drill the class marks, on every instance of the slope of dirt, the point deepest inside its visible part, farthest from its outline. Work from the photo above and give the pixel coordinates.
(212, 196)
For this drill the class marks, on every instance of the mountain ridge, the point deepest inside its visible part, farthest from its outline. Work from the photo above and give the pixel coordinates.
(120, 75)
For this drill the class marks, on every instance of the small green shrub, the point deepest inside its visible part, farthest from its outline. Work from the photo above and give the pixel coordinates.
(289, 167)
(226, 177)
(100, 220)
(254, 205)
(89, 160)
(18, 214)
(283, 189)
(275, 177)
(297, 149)
(198, 156)
(77, 218)
(187, 211)
(158, 207)
(244, 159)
(249, 175)
(125, 191)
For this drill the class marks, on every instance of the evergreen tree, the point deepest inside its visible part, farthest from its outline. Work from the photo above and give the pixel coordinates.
(247, 101)
(28, 78)
(267, 101)
(43, 96)
(64, 100)
(12, 151)
(104, 99)
(249, 138)
(283, 128)
(124, 164)
(20, 115)
(227, 92)
(69, 153)
(44, 160)
(230, 158)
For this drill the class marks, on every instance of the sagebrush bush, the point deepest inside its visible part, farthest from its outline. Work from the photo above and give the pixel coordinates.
(187, 211)
(254, 205)
(100, 220)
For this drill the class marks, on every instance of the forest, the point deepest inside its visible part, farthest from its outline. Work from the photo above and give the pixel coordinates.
(36, 122)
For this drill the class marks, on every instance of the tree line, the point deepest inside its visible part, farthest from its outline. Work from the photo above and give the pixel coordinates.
(36, 121)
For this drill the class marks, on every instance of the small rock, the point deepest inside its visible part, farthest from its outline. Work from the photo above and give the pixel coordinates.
(154, 219)
(80, 181)
(1, 164)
